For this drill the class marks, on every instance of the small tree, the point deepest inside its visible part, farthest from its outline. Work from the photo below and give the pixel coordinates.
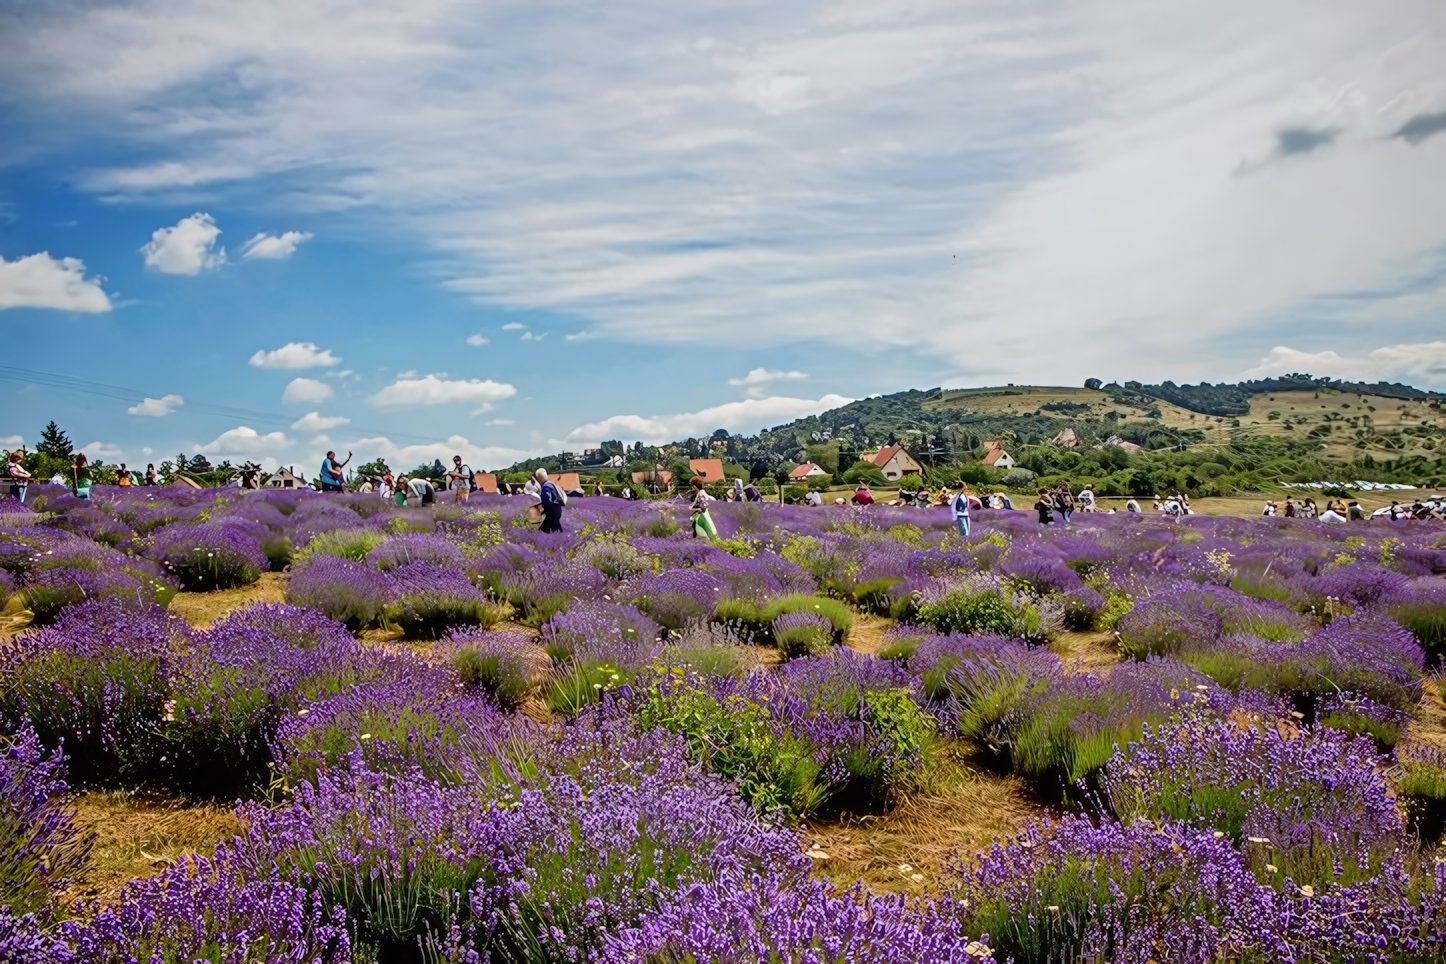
(867, 472)
(55, 443)
(374, 469)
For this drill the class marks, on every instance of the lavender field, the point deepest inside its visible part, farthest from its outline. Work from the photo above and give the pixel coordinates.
(462, 740)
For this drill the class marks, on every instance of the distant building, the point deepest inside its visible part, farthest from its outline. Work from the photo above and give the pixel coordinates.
(285, 478)
(995, 456)
(807, 470)
(894, 462)
(710, 469)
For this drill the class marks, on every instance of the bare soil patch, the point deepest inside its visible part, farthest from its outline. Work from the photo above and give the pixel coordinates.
(137, 835)
(959, 811)
(201, 609)
(867, 635)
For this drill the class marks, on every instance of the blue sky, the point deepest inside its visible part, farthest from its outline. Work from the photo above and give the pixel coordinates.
(276, 226)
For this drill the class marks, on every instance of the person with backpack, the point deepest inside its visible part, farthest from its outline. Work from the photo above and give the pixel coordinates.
(80, 473)
(460, 478)
(553, 501)
(960, 505)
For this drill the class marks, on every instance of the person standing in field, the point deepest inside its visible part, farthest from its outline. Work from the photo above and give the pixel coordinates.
(80, 474)
(460, 478)
(1045, 508)
(960, 505)
(1133, 505)
(1064, 501)
(123, 478)
(150, 474)
(19, 477)
(553, 501)
(702, 519)
(331, 477)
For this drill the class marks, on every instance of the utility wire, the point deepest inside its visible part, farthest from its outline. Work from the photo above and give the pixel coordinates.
(69, 383)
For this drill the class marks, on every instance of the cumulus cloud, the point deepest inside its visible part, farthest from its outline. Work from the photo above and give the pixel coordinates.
(755, 380)
(40, 281)
(405, 457)
(274, 245)
(747, 415)
(316, 422)
(295, 354)
(513, 326)
(157, 407)
(244, 441)
(306, 390)
(439, 390)
(477, 341)
(187, 248)
(11, 441)
(100, 451)
(1422, 364)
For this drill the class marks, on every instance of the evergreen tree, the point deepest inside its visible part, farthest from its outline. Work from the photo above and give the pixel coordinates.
(55, 443)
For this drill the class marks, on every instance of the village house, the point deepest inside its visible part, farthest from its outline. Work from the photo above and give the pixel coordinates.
(807, 470)
(894, 462)
(285, 478)
(996, 457)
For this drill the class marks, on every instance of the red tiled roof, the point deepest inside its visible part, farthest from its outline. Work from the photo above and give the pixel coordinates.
(710, 469)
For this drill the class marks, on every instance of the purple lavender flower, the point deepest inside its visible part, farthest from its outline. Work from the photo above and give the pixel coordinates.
(218, 554)
(40, 846)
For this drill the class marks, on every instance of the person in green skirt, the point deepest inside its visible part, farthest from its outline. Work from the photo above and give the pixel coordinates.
(702, 521)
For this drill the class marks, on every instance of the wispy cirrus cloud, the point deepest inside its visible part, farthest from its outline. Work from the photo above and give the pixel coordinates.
(935, 176)
(274, 246)
(316, 422)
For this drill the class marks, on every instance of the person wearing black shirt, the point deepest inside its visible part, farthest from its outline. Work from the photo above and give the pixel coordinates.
(1045, 508)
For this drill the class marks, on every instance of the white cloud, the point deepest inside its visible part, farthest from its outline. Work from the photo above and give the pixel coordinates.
(274, 246)
(477, 341)
(406, 457)
(164, 405)
(306, 390)
(1101, 170)
(11, 441)
(243, 441)
(529, 336)
(40, 281)
(747, 415)
(100, 451)
(316, 422)
(147, 450)
(500, 421)
(435, 390)
(513, 326)
(187, 248)
(295, 354)
(1423, 364)
(755, 380)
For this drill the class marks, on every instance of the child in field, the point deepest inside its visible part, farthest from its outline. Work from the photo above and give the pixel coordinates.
(960, 505)
(19, 477)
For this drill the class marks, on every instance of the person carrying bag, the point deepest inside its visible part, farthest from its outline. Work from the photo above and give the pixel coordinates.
(702, 521)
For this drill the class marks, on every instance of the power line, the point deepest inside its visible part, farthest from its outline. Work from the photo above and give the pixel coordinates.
(69, 383)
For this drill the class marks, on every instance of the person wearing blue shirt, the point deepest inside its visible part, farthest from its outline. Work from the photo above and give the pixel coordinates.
(331, 477)
(553, 499)
(960, 505)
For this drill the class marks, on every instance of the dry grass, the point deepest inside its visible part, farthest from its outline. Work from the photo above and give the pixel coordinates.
(201, 609)
(1086, 652)
(137, 835)
(1429, 726)
(958, 811)
(867, 635)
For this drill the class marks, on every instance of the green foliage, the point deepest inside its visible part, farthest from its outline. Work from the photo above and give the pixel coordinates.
(970, 611)
(911, 483)
(662, 528)
(901, 650)
(1427, 621)
(54, 442)
(353, 544)
(1017, 478)
(776, 773)
(430, 615)
(866, 472)
(580, 685)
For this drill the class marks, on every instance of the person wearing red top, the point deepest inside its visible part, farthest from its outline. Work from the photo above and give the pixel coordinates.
(862, 495)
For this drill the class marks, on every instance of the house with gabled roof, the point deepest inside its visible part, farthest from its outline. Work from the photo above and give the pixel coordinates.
(807, 470)
(895, 462)
(996, 457)
(285, 478)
